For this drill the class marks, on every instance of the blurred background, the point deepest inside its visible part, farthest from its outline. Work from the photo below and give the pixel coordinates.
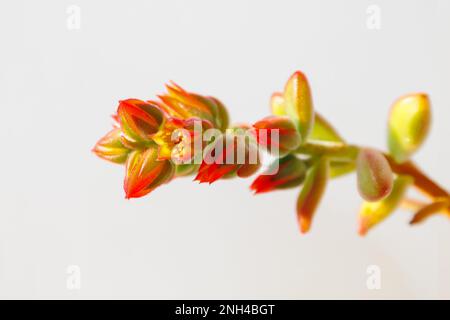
(66, 230)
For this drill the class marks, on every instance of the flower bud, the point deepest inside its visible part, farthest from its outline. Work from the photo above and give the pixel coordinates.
(408, 126)
(284, 173)
(144, 172)
(139, 120)
(374, 175)
(182, 104)
(298, 103)
(279, 127)
(230, 154)
(312, 192)
(372, 213)
(111, 148)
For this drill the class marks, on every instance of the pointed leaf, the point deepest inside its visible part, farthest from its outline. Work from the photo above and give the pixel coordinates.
(312, 193)
(298, 103)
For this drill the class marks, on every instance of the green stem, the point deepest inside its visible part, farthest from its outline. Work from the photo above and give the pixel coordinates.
(337, 151)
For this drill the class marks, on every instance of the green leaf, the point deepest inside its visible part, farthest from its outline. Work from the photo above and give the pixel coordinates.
(408, 126)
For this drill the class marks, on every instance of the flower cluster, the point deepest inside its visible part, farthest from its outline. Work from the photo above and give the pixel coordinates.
(154, 139)
(182, 133)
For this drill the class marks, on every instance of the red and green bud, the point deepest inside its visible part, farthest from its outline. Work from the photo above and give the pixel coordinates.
(312, 192)
(284, 173)
(283, 129)
(139, 121)
(229, 155)
(408, 126)
(375, 177)
(183, 105)
(298, 103)
(111, 148)
(144, 172)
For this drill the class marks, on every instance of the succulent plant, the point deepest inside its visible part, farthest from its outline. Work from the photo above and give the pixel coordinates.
(183, 134)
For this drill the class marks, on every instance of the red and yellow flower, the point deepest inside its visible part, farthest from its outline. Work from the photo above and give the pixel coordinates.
(157, 139)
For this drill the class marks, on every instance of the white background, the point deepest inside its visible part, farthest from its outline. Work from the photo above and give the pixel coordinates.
(62, 206)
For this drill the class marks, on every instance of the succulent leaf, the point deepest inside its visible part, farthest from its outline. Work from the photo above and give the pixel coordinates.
(311, 193)
(439, 205)
(375, 178)
(408, 125)
(298, 103)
